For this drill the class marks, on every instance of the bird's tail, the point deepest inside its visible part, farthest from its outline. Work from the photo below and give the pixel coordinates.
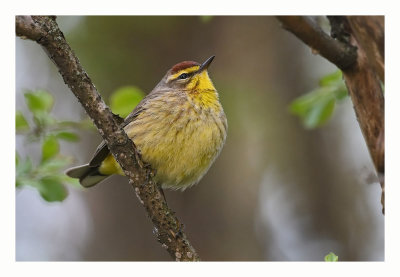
(88, 175)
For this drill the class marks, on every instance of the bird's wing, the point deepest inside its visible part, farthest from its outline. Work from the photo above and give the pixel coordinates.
(142, 105)
(102, 150)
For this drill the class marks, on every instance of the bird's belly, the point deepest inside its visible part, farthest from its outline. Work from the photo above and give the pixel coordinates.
(181, 152)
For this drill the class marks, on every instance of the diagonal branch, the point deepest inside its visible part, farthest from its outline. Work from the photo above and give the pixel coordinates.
(359, 52)
(45, 31)
(341, 54)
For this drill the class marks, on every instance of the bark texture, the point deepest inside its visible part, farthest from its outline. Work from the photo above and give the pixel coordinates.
(363, 81)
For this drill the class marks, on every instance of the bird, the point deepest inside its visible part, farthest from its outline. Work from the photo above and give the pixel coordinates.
(179, 129)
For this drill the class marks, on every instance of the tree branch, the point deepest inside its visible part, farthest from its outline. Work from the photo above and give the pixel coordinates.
(365, 87)
(359, 53)
(45, 31)
(369, 31)
(303, 27)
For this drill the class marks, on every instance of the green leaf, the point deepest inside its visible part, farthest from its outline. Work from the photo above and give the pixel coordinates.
(42, 118)
(314, 108)
(50, 147)
(331, 257)
(68, 136)
(39, 101)
(52, 189)
(20, 122)
(335, 82)
(303, 104)
(23, 167)
(332, 78)
(317, 106)
(319, 113)
(125, 99)
(341, 91)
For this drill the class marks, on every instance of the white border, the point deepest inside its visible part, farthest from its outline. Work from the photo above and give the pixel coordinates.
(199, 8)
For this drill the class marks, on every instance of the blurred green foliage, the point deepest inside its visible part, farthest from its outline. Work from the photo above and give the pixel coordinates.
(125, 99)
(331, 257)
(316, 107)
(46, 176)
(20, 122)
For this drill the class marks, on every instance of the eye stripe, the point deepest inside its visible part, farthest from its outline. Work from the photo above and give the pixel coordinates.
(188, 71)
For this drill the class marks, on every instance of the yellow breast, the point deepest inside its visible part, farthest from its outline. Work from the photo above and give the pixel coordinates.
(181, 140)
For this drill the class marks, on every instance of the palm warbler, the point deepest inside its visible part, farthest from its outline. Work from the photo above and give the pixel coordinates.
(179, 129)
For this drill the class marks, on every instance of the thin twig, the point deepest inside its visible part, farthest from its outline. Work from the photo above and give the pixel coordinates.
(46, 32)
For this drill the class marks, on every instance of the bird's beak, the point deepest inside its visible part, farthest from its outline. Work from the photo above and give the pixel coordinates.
(206, 64)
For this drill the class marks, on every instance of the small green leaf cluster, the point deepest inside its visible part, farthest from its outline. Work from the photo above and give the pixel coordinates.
(47, 176)
(316, 107)
(331, 257)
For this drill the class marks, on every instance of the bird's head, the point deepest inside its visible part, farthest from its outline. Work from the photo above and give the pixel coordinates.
(190, 77)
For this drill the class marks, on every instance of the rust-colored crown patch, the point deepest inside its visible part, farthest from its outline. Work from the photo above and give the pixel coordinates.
(183, 65)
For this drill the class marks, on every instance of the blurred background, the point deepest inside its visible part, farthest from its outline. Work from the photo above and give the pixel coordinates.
(278, 191)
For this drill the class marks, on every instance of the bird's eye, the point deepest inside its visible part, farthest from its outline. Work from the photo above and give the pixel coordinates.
(183, 76)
